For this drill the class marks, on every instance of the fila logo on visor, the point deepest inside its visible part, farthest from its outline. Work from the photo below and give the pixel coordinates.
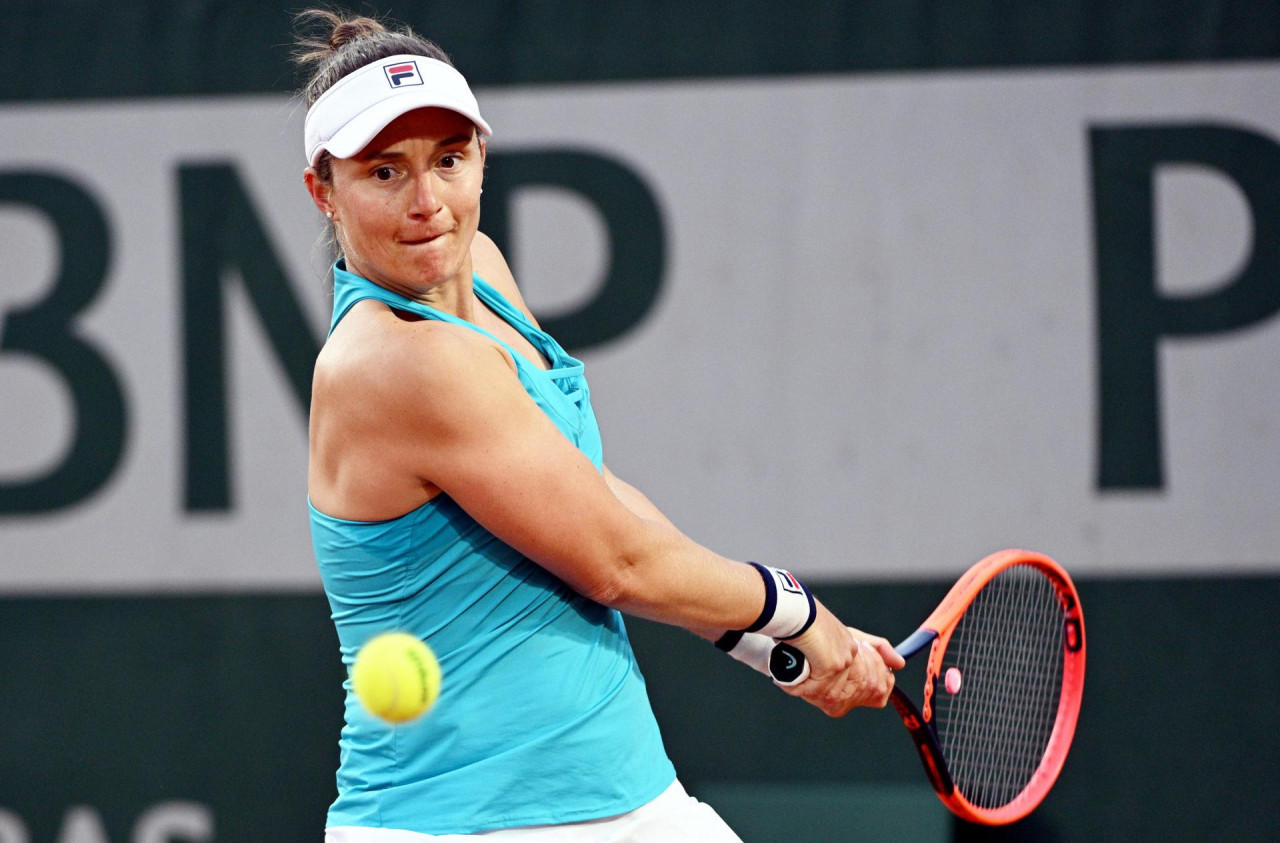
(402, 74)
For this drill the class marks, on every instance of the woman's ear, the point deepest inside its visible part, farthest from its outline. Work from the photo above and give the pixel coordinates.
(320, 191)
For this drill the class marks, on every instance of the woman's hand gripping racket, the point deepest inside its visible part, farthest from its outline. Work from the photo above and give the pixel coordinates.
(1002, 685)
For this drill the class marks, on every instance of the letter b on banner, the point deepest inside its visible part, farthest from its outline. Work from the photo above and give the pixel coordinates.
(47, 330)
(1132, 314)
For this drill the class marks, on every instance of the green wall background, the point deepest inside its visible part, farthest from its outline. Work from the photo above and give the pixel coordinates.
(235, 702)
(161, 48)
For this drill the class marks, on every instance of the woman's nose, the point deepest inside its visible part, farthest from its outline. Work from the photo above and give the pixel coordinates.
(425, 199)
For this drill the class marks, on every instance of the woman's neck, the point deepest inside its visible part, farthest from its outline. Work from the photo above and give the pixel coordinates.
(454, 295)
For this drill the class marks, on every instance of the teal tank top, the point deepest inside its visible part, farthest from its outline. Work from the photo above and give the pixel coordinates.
(543, 716)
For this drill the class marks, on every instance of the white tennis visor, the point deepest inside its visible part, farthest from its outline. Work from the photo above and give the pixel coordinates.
(352, 112)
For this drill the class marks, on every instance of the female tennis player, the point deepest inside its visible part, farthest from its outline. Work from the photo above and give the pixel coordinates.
(457, 491)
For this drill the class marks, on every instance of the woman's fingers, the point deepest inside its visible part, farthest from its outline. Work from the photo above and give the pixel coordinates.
(849, 668)
(882, 646)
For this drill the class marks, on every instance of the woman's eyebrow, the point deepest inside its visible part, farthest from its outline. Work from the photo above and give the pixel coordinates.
(462, 137)
(452, 140)
(379, 153)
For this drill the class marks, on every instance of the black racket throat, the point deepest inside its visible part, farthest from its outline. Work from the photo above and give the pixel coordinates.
(922, 732)
(787, 662)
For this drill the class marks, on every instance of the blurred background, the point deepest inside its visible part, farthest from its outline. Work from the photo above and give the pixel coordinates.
(868, 289)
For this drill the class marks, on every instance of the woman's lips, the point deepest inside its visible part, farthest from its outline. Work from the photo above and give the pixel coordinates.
(427, 238)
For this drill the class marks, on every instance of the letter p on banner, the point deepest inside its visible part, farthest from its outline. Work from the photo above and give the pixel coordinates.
(1132, 314)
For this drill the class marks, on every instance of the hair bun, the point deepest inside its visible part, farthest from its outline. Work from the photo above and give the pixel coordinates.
(331, 45)
(344, 32)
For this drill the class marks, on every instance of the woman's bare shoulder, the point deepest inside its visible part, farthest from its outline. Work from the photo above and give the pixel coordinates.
(382, 356)
(392, 395)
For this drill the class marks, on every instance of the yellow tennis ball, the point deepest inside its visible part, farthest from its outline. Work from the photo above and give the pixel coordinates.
(396, 676)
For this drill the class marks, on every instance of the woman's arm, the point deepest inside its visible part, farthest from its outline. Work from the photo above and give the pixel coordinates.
(840, 679)
(883, 652)
(636, 501)
(446, 405)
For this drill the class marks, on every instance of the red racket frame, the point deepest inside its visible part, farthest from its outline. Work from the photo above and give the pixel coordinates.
(937, 630)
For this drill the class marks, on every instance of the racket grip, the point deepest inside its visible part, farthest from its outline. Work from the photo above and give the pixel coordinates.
(787, 665)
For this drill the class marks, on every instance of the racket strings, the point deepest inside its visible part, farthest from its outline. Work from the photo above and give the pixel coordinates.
(987, 773)
(1008, 648)
(1026, 735)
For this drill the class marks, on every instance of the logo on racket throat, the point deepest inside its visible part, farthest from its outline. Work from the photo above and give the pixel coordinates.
(403, 74)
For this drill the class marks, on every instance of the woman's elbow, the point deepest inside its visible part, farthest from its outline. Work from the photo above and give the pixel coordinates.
(608, 593)
(613, 587)
(622, 576)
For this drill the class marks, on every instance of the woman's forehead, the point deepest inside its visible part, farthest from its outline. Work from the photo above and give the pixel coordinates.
(433, 126)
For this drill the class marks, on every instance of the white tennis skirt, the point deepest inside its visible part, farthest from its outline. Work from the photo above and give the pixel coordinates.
(673, 817)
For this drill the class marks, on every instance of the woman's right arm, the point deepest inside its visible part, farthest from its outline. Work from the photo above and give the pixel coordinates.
(448, 406)
(868, 673)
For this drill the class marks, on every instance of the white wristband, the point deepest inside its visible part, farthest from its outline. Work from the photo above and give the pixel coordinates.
(750, 648)
(789, 608)
(759, 652)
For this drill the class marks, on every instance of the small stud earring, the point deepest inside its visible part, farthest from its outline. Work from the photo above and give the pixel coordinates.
(329, 214)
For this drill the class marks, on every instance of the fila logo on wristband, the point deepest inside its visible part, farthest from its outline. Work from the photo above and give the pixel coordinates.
(789, 608)
(787, 581)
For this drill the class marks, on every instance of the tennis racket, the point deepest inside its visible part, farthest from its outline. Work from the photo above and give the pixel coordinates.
(1002, 686)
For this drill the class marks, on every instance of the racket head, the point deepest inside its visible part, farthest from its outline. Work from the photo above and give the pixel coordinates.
(1003, 685)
